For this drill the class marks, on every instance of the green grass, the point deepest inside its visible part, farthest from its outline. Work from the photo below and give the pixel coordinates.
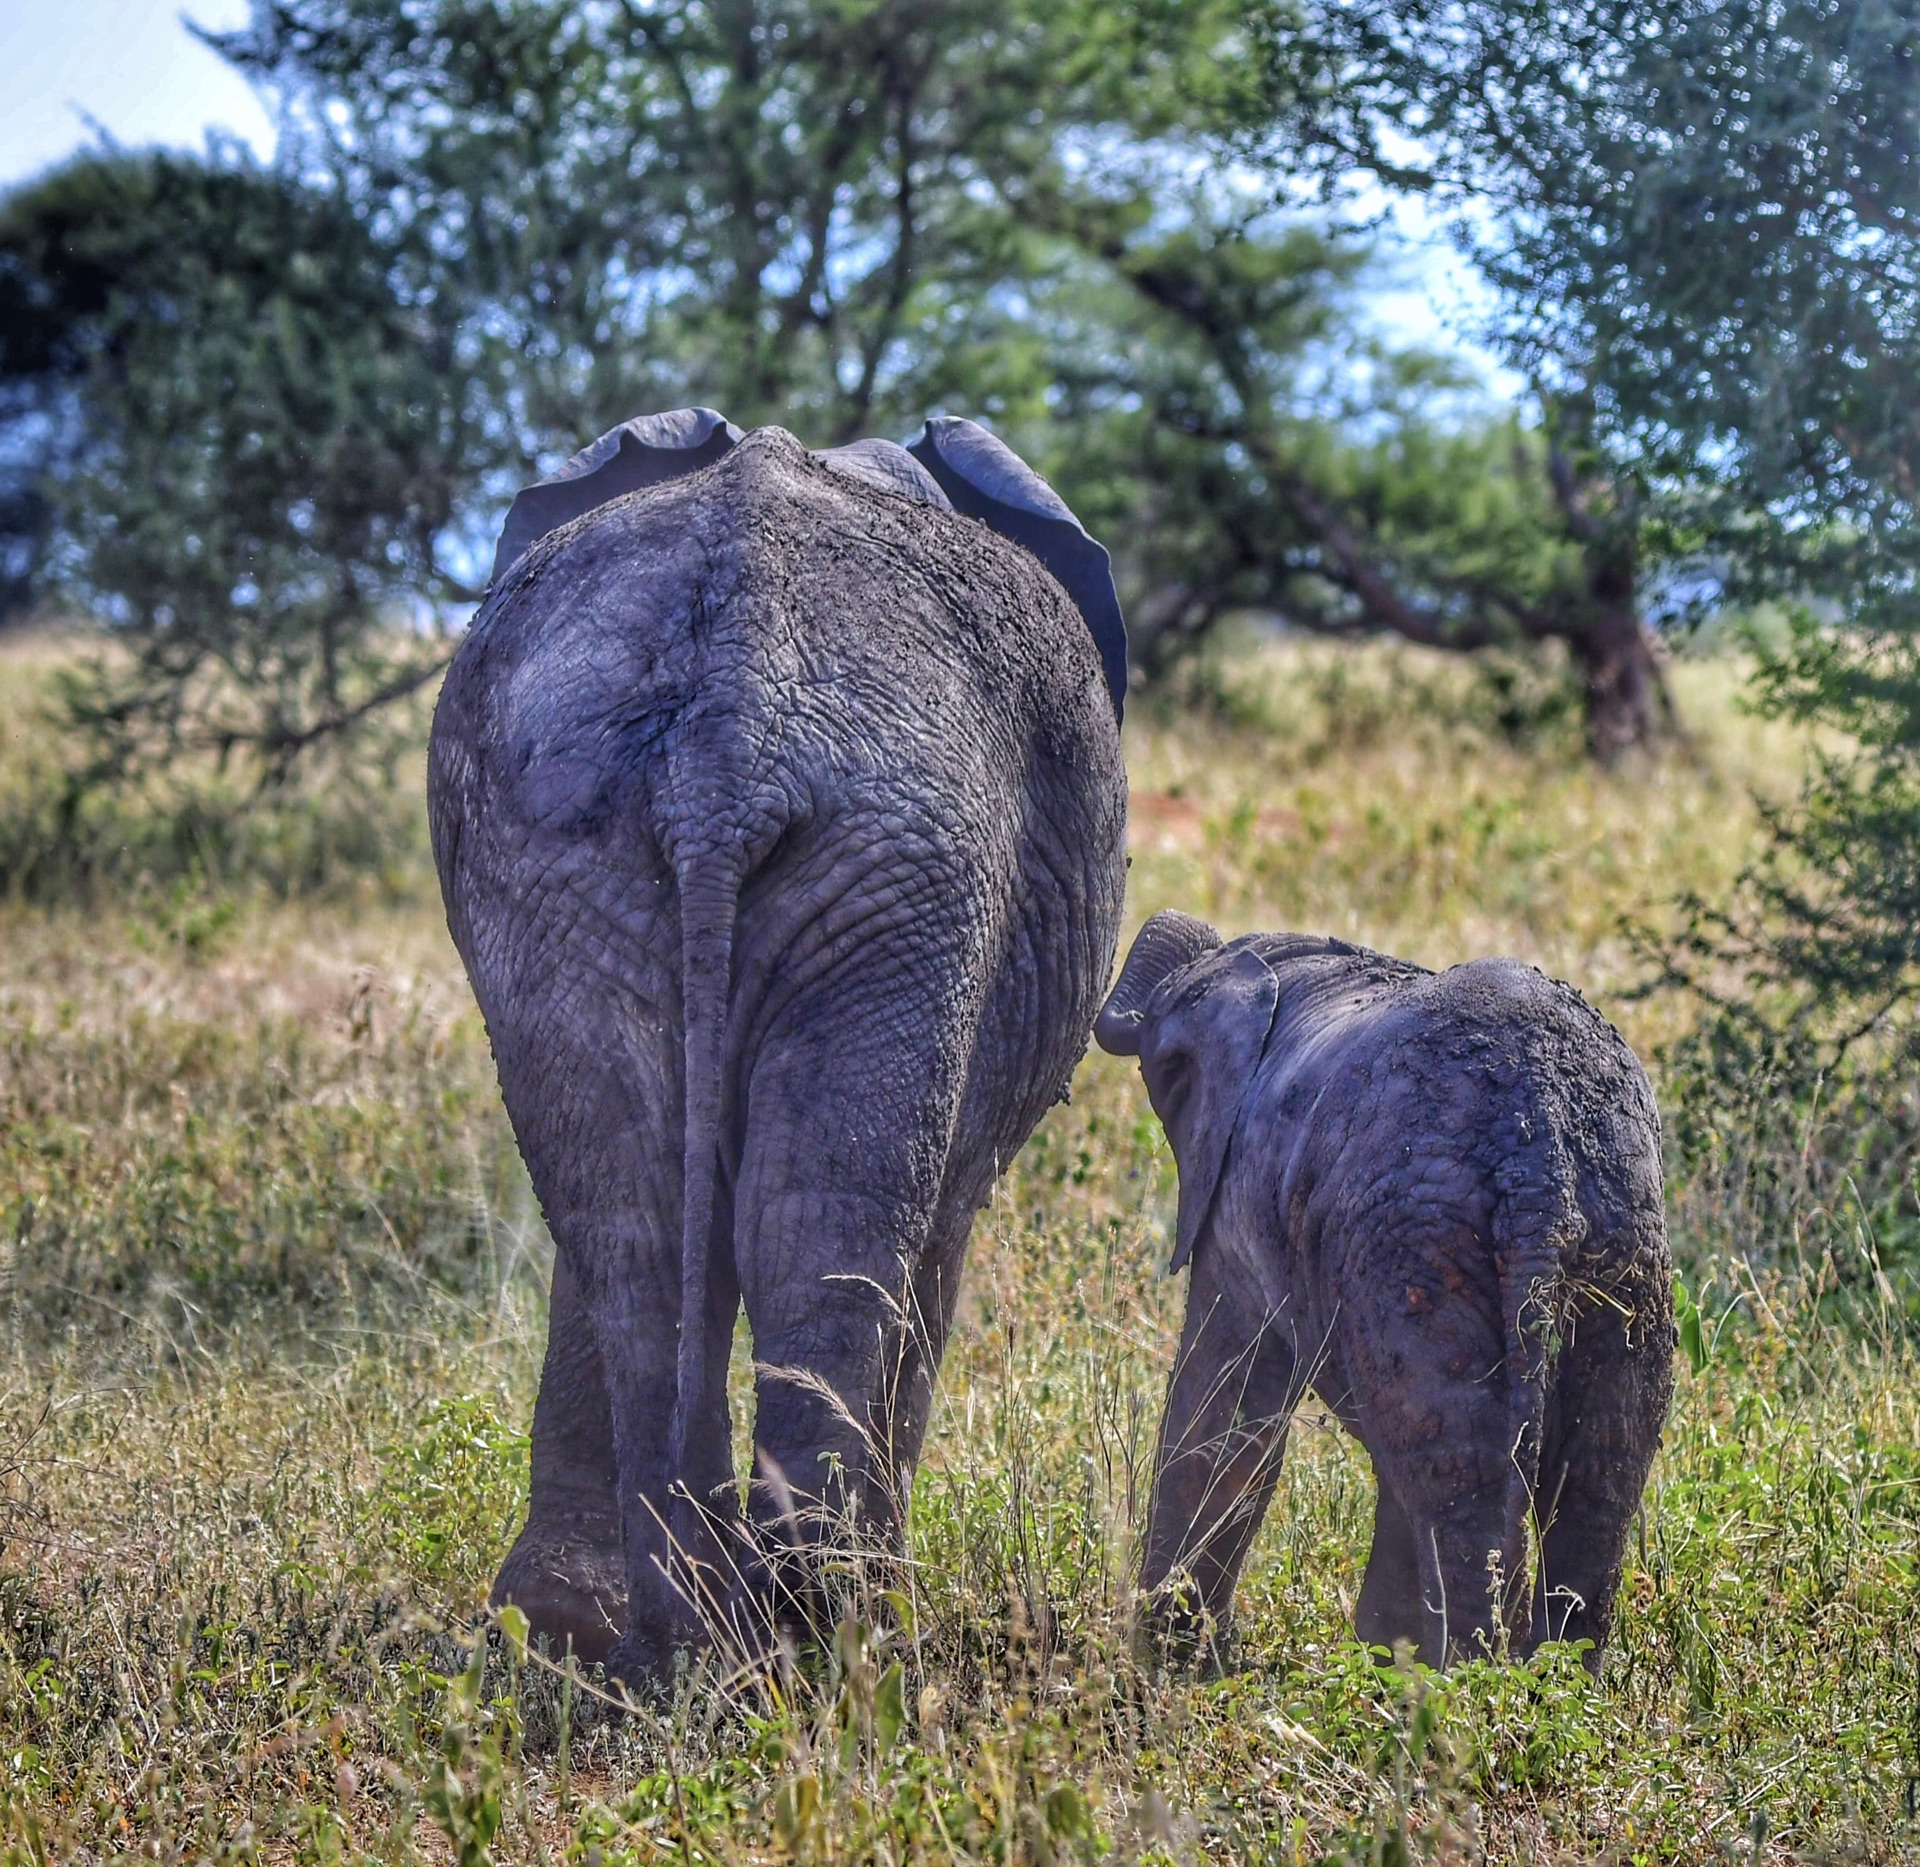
(273, 1322)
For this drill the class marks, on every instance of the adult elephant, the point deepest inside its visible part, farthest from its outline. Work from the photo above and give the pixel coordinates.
(780, 816)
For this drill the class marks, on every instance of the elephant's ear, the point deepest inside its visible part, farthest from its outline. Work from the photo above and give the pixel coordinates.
(640, 452)
(1242, 997)
(1198, 1016)
(987, 480)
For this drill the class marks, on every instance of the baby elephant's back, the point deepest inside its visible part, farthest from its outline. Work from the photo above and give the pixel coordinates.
(1548, 1086)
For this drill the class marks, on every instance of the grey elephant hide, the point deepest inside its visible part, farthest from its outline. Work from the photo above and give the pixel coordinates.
(780, 818)
(1436, 1199)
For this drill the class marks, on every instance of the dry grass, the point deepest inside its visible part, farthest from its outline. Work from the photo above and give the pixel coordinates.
(273, 1327)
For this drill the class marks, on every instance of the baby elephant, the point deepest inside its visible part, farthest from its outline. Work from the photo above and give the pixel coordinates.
(1435, 1198)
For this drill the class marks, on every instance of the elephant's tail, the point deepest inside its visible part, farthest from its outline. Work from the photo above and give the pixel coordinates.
(709, 887)
(1536, 1222)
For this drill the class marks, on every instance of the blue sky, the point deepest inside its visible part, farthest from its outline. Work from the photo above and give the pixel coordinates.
(129, 65)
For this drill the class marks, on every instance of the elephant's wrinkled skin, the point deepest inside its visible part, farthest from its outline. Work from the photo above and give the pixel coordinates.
(1436, 1199)
(780, 817)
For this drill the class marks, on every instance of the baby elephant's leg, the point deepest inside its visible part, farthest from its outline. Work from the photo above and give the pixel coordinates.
(1389, 1611)
(1221, 1443)
(1611, 1393)
(1455, 1511)
(1421, 1335)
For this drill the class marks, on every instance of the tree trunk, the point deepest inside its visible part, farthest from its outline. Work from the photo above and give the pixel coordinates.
(1627, 703)
(1627, 700)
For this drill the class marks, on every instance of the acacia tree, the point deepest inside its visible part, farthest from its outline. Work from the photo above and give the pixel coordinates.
(1263, 456)
(245, 446)
(1711, 213)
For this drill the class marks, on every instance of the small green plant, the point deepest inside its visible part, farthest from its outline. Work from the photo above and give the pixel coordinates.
(1699, 1334)
(465, 1786)
(450, 1490)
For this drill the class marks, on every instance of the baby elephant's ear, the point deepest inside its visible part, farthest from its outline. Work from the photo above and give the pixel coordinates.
(1166, 943)
(987, 480)
(1206, 1054)
(640, 452)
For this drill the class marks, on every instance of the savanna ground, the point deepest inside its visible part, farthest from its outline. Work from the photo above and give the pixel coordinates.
(273, 1314)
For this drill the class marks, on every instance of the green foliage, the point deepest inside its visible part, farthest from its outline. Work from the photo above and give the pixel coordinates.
(1707, 228)
(777, 208)
(463, 1788)
(1799, 1085)
(254, 449)
(446, 1485)
(1704, 220)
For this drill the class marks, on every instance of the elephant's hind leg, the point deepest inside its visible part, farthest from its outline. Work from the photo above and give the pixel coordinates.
(1417, 1352)
(1611, 1392)
(566, 1571)
(850, 1113)
(1389, 1610)
(593, 1080)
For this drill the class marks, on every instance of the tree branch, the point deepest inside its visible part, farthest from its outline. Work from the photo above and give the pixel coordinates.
(280, 746)
(1570, 498)
(900, 272)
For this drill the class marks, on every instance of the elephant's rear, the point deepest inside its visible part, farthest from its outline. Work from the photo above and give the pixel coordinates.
(781, 827)
(1586, 1278)
(1496, 1221)
(754, 676)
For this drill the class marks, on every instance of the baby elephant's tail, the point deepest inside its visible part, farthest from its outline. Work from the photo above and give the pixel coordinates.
(1537, 1224)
